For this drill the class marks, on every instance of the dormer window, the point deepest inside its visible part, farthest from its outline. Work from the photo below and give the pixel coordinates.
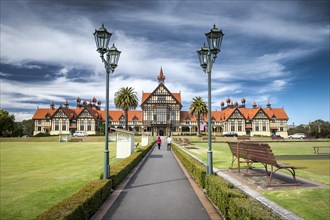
(135, 121)
(213, 121)
(187, 121)
(122, 120)
(273, 119)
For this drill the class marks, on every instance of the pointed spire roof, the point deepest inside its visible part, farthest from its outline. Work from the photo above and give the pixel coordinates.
(161, 77)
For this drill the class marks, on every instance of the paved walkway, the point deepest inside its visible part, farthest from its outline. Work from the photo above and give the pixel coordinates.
(158, 190)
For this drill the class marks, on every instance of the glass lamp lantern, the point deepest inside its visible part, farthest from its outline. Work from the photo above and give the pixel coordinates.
(203, 56)
(113, 56)
(102, 38)
(214, 39)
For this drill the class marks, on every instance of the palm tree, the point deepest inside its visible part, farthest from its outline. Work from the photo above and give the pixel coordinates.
(197, 108)
(126, 99)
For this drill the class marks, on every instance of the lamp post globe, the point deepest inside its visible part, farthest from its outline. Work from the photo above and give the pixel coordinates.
(207, 56)
(102, 39)
(214, 40)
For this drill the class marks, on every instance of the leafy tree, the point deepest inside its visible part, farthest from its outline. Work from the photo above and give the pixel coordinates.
(197, 108)
(126, 99)
(28, 127)
(18, 129)
(6, 123)
(317, 128)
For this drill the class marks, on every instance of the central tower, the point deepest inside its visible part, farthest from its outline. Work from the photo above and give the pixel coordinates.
(161, 109)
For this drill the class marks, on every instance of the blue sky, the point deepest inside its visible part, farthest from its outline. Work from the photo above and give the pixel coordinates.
(272, 50)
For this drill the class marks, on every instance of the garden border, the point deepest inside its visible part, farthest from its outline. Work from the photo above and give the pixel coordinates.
(274, 207)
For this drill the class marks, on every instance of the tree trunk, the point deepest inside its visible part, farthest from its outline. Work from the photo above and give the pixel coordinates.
(198, 125)
(126, 119)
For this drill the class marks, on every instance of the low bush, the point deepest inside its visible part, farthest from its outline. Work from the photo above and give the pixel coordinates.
(42, 135)
(89, 199)
(245, 208)
(230, 201)
(196, 169)
(81, 205)
(221, 192)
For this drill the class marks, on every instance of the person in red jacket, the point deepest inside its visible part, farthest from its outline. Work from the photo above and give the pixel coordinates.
(159, 141)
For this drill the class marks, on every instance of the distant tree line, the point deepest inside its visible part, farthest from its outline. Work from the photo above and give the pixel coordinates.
(317, 129)
(10, 128)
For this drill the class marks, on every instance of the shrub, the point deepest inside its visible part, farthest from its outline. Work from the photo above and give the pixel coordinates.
(249, 209)
(42, 135)
(221, 192)
(196, 169)
(81, 205)
(231, 202)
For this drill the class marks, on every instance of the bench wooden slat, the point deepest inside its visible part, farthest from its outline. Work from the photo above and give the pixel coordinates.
(252, 152)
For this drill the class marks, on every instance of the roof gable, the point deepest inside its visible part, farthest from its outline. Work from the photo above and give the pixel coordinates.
(161, 94)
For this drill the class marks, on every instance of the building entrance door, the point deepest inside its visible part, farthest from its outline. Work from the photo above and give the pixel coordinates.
(161, 132)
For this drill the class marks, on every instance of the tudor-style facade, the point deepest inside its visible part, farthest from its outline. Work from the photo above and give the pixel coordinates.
(161, 114)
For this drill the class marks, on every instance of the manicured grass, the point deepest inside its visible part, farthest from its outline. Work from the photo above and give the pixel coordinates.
(37, 175)
(310, 204)
(307, 203)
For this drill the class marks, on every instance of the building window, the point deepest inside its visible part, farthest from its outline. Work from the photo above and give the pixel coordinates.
(273, 119)
(161, 98)
(212, 121)
(56, 126)
(173, 115)
(47, 118)
(39, 128)
(63, 127)
(89, 125)
(232, 127)
(39, 122)
(110, 121)
(257, 125)
(264, 127)
(135, 121)
(281, 129)
(239, 125)
(187, 121)
(82, 128)
(122, 121)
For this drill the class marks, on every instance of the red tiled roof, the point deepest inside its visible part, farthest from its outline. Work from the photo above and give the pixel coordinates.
(279, 113)
(145, 95)
(41, 113)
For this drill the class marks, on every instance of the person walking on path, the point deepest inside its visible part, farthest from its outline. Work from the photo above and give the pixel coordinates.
(169, 143)
(159, 141)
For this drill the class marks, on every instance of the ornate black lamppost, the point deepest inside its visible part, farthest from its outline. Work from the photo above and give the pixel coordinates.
(102, 38)
(207, 56)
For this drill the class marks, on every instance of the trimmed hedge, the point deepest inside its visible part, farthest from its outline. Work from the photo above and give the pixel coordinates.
(250, 209)
(230, 201)
(220, 192)
(120, 170)
(85, 203)
(196, 169)
(81, 205)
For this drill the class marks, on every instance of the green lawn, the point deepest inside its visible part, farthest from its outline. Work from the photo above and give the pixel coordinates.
(308, 203)
(36, 175)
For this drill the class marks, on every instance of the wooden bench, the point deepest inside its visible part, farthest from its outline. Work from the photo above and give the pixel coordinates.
(243, 138)
(317, 148)
(77, 139)
(187, 141)
(252, 152)
(207, 138)
(277, 138)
